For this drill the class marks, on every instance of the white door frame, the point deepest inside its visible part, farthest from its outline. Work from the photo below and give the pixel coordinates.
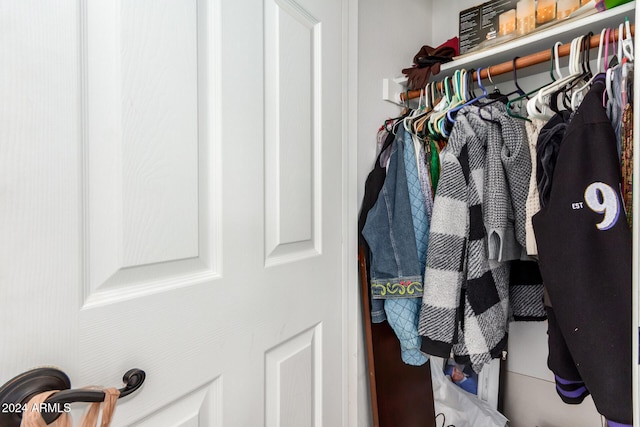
(351, 295)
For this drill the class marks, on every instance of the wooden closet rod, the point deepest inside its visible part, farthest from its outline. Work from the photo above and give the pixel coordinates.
(527, 61)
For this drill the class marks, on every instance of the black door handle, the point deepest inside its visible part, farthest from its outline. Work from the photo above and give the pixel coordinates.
(15, 393)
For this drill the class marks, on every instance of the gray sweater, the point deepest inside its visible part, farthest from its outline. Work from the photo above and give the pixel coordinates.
(507, 176)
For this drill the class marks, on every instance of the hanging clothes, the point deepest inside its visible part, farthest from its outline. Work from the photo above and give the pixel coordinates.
(465, 301)
(533, 128)
(425, 179)
(615, 104)
(507, 175)
(626, 142)
(526, 292)
(373, 186)
(547, 153)
(626, 162)
(396, 272)
(509, 170)
(395, 268)
(584, 247)
(402, 313)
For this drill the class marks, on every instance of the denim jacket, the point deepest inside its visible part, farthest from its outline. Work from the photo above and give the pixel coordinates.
(396, 274)
(395, 268)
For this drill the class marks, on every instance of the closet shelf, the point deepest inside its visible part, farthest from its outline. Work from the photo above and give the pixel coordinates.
(534, 42)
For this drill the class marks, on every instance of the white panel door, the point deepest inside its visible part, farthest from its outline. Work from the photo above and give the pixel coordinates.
(172, 198)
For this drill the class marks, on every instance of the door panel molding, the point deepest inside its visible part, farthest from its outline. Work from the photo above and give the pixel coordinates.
(293, 132)
(201, 407)
(151, 213)
(293, 381)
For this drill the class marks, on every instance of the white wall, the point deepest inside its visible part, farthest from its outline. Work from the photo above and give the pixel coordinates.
(445, 25)
(390, 34)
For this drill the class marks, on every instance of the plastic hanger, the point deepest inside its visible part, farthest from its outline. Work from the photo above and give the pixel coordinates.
(606, 49)
(539, 106)
(450, 113)
(458, 99)
(580, 72)
(515, 76)
(471, 93)
(612, 66)
(620, 36)
(433, 98)
(587, 75)
(435, 126)
(576, 63)
(445, 100)
(419, 120)
(627, 67)
(624, 55)
(505, 98)
(390, 123)
(550, 88)
(496, 90)
(409, 120)
(440, 106)
(627, 43)
(617, 60)
(511, 102)
(578, 94)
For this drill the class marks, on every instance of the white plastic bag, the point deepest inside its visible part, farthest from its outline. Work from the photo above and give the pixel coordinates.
(456, 407)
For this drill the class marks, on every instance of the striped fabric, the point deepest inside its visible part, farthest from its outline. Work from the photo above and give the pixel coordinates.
(572, 392)
(466, 295)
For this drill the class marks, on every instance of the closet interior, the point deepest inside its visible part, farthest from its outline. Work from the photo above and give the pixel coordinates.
(517, 380)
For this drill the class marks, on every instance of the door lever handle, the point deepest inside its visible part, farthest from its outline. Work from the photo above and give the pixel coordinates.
(15, 393)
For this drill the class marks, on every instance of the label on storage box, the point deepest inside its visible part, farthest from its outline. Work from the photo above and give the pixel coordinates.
(486, 22)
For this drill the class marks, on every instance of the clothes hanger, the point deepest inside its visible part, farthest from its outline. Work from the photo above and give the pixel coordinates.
(627, 67)
(440, 106)
(496, 89)
(627, 43)
(450, 113)
(515, 76)
(578, 94)
(445, 99)
(538, 106)
(390, 123)
(624, 55)
(454, 100)
(409, 119)
(459, 77)
(612, 66)
(423, 111)
(541, 106)
(433, 98)
(554, 59)
(616, 60)
(586, 76)
(471, 92)
(580, 73)
(445, 124)
(505, 98)
(495, 96)
(417, 122)
(573, 70)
